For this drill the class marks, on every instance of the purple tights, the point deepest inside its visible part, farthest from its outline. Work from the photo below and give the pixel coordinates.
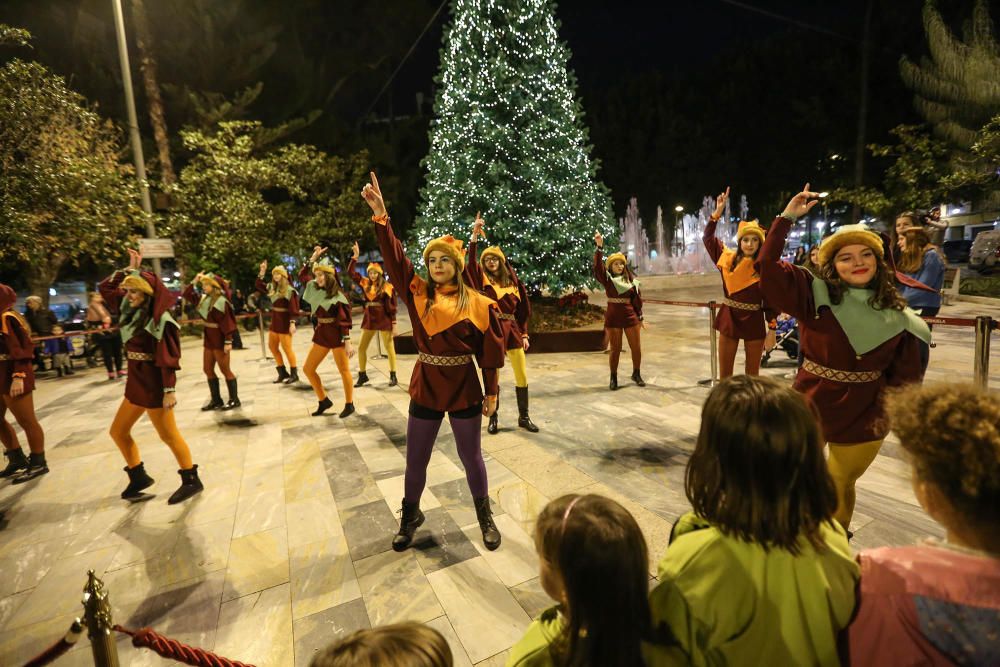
(420, 437)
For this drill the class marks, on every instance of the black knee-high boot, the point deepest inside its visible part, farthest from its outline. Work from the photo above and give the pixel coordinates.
(215, 402)
(523, 419)
(234, 397)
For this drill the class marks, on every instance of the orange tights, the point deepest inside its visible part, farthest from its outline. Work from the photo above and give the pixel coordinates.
(163, 421)
(23, 409)
(615, 337)
(754, 349)
(316, 355)
(212, 357)
(285, 342)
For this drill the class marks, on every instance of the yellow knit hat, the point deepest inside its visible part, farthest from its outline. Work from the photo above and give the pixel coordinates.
(495, 251)
(858, 234)
(280, 270)
(375, 267)
(325, 266)
(450, 246)
(210, 279)
(615, 257)
(136, 281)
(751, 227)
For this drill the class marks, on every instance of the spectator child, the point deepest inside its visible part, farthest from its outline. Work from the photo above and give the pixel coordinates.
(59, 348)
(759, 573)
(400, 645)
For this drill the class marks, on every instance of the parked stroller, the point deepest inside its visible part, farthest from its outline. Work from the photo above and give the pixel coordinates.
(786, 338)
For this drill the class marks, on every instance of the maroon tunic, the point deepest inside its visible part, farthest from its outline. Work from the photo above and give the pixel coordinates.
(736, 322)
(617, 315)
(283, 310)
(850, 412)
(380, 309)
(329, 334)
(516, 307)
(146, 378)
(215, 337)
(16, 344)
(443, 388)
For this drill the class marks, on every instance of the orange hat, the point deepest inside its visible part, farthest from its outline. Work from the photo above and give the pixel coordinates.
(749, 227)
(858, 234)
(376, 267)
(496, 252)
(450, 246)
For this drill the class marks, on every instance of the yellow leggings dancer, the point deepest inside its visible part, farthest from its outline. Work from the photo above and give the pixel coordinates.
(519, 363)
(847, 462)
(274, 340)
(165, 425)
(316, 355)
(387, 343)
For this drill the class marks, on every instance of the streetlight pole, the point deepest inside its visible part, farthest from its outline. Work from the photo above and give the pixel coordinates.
(677, 218)
(823, 195)
(133, 126)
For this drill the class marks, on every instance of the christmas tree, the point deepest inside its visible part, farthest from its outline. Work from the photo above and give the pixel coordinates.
(508, 140)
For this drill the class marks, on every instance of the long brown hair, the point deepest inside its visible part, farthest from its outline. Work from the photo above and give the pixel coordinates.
(463, 295)
(332, 286)
(502, 276)
(740, 255)
(912, 257)
(884, 295)
(600, 555)
(757, 472)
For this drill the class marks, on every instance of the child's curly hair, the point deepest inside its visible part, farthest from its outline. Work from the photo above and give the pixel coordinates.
(952, 434)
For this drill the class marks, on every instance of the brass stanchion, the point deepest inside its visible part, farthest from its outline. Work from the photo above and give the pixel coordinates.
(97, 614)
(713, 346)
(981, 363)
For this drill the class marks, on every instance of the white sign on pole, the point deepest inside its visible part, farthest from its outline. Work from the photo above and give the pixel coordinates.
(156, 248)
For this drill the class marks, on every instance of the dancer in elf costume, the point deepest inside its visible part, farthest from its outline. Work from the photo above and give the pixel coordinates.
(153, 349)
(17, 382)
(493, 276)
(743, 314)
(858, 337)
(220, 324)
(284, 310)
(332, 335)
(624, 311)
(380, 316)
(452, 325)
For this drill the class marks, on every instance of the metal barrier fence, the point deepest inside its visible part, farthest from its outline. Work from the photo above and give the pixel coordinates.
(983, 324)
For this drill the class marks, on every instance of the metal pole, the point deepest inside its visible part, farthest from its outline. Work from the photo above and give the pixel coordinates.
(260, 327)
(133, 127)
(97, 613)
(713, 346)
(981, 363)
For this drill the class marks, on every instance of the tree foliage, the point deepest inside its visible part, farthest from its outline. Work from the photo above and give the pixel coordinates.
(64, 195)
(508, 139)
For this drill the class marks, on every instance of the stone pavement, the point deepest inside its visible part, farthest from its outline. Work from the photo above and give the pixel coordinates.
(288, 548)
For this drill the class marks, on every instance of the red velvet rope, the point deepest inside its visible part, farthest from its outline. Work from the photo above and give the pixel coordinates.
(173, 649)
(64, 644)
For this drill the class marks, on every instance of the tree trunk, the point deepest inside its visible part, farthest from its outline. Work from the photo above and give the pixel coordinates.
(147, 64)
(40, 276)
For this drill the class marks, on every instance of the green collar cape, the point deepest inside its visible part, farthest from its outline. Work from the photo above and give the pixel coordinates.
(316, 296)
(622, 284)
(867, 327)
(207, 304)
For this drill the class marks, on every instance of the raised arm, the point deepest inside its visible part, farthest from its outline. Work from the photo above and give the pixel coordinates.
(786, 287)
(110, 290)
(713, 245)
(473, 273)
(190, 295)
(600, 273)
(397, 265)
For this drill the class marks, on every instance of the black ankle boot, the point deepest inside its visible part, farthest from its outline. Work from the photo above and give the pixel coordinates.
(614, 382)
(215, 402)
(36, 468)
(234, 397)
(16, 462)
(637, 378)
(491, 536)
(392, 379)
(362, 379)
(294, 377)
(282, 375)
(137, 481)
(523, 420)
(411, 518)
(68, 370)
(190, 485)
(494, 424)
(347, 411)
(59, 371)
(324, 405)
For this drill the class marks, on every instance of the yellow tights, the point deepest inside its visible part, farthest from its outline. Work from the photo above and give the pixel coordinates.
(285, 342)
(165, 425)
(520, 366)
(846, 463)
(387, 343)
(316, 355)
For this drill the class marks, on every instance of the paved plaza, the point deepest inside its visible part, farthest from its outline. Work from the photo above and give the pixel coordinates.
(288, 547)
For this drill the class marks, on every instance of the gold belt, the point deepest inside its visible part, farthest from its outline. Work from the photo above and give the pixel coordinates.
(438, 360)
(506, 316)
(739, 305)
(279, 310)
(4, 357)
(326, 320)
(138, 356)
(822, 371)
(372, 304)
(211, 325)
(614, 299)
